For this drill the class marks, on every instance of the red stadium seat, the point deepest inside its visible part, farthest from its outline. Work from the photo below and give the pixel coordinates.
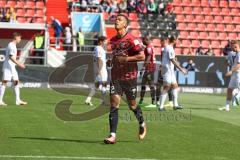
(238, 27)
(39, 20)
(195, 3)
(134, 25)
(223, 3)
(197, 10)
(40, 4)
(185, 43)
(218, 19)
(224, 43)
(195, 43)
(39, 13)
(210, 27)
(30, 4)
(20, 4)
(10, 4)
(191, 26)
(193, 35)
(208, 19)
(217, 52)
(199, 18)
(178, 44)
(225, 11)
(157, 50)
(20, 12)
(215, 11)
(189, 18)
(30, 13)
(187, 10)
(214, 3)
(234, 11)
(136, 33)
(178, 10)
(176, 2)
(236, 20)
(220, 27)
(181, 26)
(21, 20)
(180, 18)
(183, 35)
(206, 11)
(227, 19)
(156, 42)
(204, 3)
(222, 36)
(212, 35)
(215, 44)
(2, 3)
(203, 35)
(133, 17)
(232, 36)
(178, 51)
(186, 2)
(105, 15)
(230, 28)
(201, 27)
(233, 4)
(205, 44)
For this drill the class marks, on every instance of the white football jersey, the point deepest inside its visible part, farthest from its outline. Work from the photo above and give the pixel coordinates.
(11, 50)
(236, 62)
(99, 52)
(168, 54)
(230, 57)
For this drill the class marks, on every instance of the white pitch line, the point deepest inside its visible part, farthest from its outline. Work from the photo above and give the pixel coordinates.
(66, 157)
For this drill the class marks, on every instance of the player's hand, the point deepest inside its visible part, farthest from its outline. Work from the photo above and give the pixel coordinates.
(184, 71)
(22, 66)
(121, 59)
(228, 74)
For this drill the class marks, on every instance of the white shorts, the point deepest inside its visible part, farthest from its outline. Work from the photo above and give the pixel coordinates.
(169, 78)
(234, 82)
(102, 77)
(9, 74)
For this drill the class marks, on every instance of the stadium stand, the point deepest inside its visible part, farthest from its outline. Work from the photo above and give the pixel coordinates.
(213, 22)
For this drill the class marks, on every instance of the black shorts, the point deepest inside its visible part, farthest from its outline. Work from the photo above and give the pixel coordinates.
(128, 87)
(148, 77)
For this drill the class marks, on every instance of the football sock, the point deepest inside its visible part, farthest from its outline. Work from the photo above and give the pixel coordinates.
(158, 92)
(91, 94)
(113, 120)
(175, 97)
(227, 104)
(138, 114)
(143, 90)
(17, 93)
(162, 100)
(153, 93)
(2, 91)
(103, 92)
(170, 95)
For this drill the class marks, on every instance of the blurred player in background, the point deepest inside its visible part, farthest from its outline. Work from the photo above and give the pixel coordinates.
(126, 51)
(149, 70)
(9, 70)
(100, 69)
(168, 73)
(235, 75)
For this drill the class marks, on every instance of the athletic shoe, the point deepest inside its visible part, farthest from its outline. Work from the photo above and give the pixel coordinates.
(177, 107)
(88, 103)
(161, 109)
(142, 131)
(224, 109)
(3, 104)
(110, 140)
(150, 106)
(21, 103)
(169, 104)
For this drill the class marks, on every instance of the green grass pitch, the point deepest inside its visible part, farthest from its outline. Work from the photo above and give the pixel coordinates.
(34, 131)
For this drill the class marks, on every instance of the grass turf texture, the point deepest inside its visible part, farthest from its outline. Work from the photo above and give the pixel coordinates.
(35, 130)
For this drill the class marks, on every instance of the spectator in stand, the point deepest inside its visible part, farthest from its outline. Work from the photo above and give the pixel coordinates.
(1, 14)
(37, 50)
(4, 16)
(141, 7)
(57, 31)
(95, 4)
(122, 6)
(191, 66)
(113, 6)
(190, 51)
(199, 51)
(161, 8)
(131, 5)
(81, 39)
(11, 15)
(68, 39)
(105, 6)
(84, 5)
(209, 52)
(152, 7)
(169, 8)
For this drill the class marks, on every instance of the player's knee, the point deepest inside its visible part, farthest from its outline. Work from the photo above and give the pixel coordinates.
(15, 83)
(4, 83)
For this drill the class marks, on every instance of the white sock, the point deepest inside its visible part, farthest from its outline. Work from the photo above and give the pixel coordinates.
(162, 100)
(91, 94)
(113, 134)
(175, 97)
(2, 91)
(103, 91)
(17, 93)
(227, 104)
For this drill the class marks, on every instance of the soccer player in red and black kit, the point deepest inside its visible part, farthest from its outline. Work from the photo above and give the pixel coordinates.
(149, 69)
(126, 51)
